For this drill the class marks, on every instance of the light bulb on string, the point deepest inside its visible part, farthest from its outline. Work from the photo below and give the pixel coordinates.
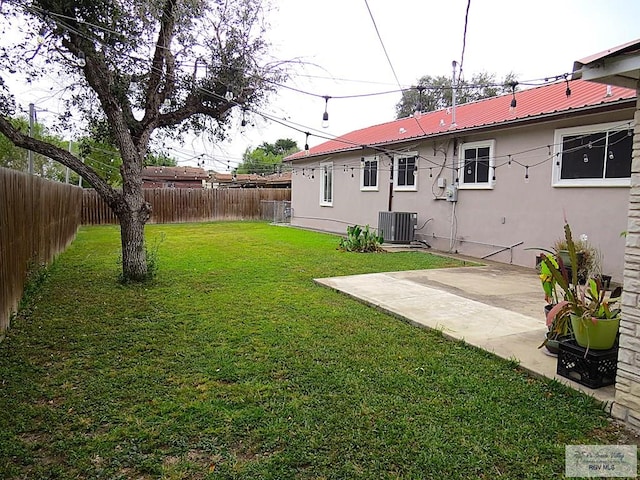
(526, 174)
(509, 162)
(585, 158)
(514, 103)
(351, 172)
(306, 144)
(494, 174)
(430, 172)
(81, 61)
(611, 156)
(568, 90)
(325, 115)
(228, 95)
(313, 170)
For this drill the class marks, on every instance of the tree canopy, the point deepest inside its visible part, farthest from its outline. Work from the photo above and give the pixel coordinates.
(434, 93)
(267, 158)
(135, 71)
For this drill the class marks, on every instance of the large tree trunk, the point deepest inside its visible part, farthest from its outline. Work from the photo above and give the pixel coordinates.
(133, 212)
(134, 259)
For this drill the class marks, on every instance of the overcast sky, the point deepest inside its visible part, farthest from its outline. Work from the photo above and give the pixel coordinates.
(344, 56)
(338, 40)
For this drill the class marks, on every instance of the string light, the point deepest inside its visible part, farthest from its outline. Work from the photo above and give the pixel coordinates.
(511, 157)
(325, 115)
(526, 174)
(514, 103)
(585, 158)
(420, 89)
(568, 91)
(610, 155)
(509, 161)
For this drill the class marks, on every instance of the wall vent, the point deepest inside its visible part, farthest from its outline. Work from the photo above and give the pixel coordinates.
(397, 227)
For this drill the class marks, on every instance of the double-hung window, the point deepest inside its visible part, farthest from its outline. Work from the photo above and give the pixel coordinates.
(593, 156)
(326, 184)
(369, 174)
(476, 165)
(405, 172)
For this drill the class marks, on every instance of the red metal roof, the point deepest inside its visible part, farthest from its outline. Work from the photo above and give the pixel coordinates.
(531, 104)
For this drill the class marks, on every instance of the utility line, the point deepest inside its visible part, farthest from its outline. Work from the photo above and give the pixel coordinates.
(381, 42)
(464, 40)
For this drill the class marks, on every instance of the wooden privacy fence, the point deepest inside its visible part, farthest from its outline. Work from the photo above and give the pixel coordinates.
(181, 205)
(38, 219)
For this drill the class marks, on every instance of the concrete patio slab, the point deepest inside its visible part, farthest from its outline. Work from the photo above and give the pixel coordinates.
(498, 308)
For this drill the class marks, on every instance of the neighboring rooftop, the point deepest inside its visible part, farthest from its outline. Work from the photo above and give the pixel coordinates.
(532, 104)
(252, 180)
(173, 177)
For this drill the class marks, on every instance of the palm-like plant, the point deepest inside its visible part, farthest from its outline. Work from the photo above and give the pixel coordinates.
(589, 302)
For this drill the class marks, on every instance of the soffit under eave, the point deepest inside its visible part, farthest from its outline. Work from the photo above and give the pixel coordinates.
(619, 69)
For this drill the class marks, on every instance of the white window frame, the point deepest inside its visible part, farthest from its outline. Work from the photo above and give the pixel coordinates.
(559, 135)
(369, 188)
(326, 172)
(489, 184)
(396, 164)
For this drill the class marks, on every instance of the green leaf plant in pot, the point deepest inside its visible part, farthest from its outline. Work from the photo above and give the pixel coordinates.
(589, 308)
(558, 327)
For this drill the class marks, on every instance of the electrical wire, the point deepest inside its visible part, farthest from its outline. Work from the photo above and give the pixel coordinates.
(375, 26)
(464, 40)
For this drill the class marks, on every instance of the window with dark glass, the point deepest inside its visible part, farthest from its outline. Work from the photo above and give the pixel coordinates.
(406, 172)
(476, 165)
(370, 174)
(599, 155)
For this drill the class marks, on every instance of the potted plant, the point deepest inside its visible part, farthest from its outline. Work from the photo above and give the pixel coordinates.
(588, 258)
(589, 307)
(557, 327)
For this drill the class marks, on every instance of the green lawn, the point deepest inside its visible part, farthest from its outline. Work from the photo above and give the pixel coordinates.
(234, 364)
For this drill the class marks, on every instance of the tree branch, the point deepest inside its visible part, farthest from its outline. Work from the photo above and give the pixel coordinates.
(161, 56)
(61, 156)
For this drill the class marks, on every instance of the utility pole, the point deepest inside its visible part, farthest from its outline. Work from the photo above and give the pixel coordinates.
(32, 119)
(453, 94)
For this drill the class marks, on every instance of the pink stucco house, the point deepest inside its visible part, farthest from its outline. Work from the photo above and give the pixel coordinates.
(486, 179)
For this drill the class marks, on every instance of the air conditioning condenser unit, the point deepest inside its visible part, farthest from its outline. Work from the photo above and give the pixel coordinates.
(397, 227)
